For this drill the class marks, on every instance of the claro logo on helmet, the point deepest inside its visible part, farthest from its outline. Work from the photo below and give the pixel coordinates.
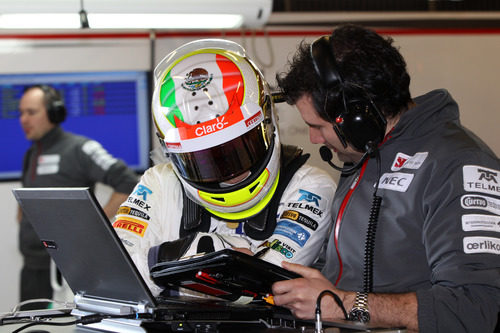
(210, 128)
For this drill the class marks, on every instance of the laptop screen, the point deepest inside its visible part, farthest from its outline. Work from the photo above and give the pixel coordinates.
(82, 242)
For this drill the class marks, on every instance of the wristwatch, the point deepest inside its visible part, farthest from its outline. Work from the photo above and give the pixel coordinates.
(359, 311)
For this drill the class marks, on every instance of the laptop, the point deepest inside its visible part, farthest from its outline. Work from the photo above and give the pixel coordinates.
(84, 246)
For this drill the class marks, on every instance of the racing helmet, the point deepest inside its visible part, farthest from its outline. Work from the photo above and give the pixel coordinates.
(214, 114)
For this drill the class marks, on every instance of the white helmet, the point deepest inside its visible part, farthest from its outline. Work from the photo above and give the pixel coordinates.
(214, 114)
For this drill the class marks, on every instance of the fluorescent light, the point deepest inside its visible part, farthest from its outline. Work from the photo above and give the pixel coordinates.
(39, 21)
(117, 21)
(165, 21)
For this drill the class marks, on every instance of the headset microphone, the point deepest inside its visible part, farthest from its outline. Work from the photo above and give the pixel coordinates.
(326, 155)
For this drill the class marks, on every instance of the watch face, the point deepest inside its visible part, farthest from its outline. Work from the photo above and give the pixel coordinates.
(360, 315)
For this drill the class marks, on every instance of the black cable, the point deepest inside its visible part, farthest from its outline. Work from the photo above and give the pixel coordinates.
(371, 232)
(85, 320)
(318, 307)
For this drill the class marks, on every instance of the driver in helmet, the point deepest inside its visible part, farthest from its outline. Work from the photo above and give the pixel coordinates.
(224, 179)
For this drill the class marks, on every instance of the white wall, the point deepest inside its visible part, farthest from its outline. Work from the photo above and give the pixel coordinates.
(465, 64)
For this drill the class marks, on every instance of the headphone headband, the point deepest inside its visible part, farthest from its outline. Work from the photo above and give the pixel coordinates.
(357, 120)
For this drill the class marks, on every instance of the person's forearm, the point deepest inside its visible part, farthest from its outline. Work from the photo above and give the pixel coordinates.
(394, 310)
(387, 310)
(114, 203)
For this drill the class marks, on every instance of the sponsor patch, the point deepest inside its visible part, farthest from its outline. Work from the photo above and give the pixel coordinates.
(131, 224)
(396, 181)
(479, 222)
(482, 245)
(292, 231)
(48, 164)
(138, 202)
(309, 197)
(278, 246)
(143, 191)
(300, 218)
(98, 154)
(125, 210)
(403, 161)
(49, 244)
(470, 201)
(303, 206)
(480, 179)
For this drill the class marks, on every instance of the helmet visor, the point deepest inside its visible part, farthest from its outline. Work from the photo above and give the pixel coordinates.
(225, 161)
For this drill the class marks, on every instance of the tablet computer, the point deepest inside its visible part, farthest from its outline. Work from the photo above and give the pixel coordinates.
(227, 274)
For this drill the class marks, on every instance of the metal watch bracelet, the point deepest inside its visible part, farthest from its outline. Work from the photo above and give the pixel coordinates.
(359, 311)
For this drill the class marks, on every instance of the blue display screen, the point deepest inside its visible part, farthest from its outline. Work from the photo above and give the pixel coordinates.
(112, 108)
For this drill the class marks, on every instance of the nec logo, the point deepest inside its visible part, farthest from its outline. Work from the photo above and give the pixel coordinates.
(309, 197)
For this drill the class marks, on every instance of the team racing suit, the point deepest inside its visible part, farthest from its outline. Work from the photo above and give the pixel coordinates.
(152, 215)
(438, 233)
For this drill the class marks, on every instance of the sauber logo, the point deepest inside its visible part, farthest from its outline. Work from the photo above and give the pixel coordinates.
(403, 161)
(400, 161)
(132, 225)
(210, 128)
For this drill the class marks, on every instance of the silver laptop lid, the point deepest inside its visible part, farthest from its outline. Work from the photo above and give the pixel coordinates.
(82, 242)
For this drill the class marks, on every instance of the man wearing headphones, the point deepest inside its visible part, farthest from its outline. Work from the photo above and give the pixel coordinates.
(416, 239)
(59, 159)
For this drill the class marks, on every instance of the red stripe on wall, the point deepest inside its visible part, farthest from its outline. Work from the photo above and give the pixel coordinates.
(238, 33)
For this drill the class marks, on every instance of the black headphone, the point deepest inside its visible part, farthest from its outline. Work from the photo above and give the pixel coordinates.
(359, 121)
(56, 110)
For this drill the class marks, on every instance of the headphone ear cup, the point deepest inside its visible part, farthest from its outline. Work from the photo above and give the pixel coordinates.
(57, 112)
(362, 124)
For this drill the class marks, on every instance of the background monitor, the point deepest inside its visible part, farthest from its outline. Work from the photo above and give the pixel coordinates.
(112, 108)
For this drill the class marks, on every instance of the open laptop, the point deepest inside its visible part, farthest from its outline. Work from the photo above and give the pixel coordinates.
(82, 242)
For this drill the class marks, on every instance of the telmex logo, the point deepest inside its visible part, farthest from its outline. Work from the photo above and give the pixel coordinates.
(474, 202)
(207, 129)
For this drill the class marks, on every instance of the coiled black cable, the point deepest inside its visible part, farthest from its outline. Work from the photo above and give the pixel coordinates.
(371, 233)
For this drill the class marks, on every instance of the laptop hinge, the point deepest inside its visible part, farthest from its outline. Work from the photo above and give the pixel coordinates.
(96, 305)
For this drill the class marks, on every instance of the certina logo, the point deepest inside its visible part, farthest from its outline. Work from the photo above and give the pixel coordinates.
(256, 118)
(210, 128)
(197, 79)
(481, 245)
(474, 202)
(481, 179)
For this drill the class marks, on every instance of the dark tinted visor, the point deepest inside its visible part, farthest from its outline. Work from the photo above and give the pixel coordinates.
(227, 160)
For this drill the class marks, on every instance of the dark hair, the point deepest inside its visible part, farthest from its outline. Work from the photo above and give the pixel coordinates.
(364, 58)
